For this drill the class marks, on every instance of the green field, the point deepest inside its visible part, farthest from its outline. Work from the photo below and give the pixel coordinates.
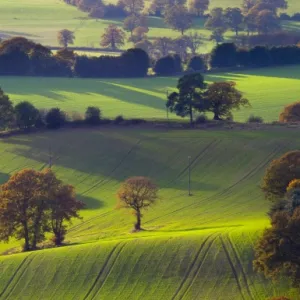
(197, 247)
(268, 91)
(41, 21)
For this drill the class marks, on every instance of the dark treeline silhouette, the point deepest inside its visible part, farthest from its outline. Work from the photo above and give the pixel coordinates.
(21, 57)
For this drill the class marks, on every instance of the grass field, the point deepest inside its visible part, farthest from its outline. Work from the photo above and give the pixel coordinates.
(197, 247)
(41, 21)
(268, 90)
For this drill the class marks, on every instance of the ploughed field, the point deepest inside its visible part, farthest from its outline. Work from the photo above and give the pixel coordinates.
(268, 91)
(197, 247)
(40, 20)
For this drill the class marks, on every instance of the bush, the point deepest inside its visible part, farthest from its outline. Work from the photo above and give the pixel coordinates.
(291, 113)
(119, 120)
(55, 118)
(197, 63)
(135, 121)
(168, 65)
(93, 115)
(201, 119)
(255, 119)
(26, 115)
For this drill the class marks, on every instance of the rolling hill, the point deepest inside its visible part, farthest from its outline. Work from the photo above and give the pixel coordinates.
(197, 247)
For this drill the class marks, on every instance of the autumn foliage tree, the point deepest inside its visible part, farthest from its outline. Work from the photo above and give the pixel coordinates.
(137, 193)
(279, 174)
(113, 37)
(31, 201)
(65, 37)
(291, 113)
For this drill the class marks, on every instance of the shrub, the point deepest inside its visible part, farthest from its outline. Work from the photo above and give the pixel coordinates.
(93, 115)
(55, 118)
(197, 63)
(255, 119)
(291, 113)
(26, 114)
(201, 119)
(119, 120)
(168, 65)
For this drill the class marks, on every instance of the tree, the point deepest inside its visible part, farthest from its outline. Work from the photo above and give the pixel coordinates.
(137, 193)
(291, 113)
(55, 118)
(223, 97)
(22, 208)
(197, 63)
(227, 50)
(198, 6)
(189, 96)
(164, 45)
(93, 115)
(267, 21)
(293, 185)
(279, 174)
(65, 37)
(276, 4)
(178, 18)
(234, 19)
(218, 35)
(168, 65)
(63, 206)
(194, 40)
(113, 37)
(216, 19)
(6, 111)
(131, 22)
(134, 7)
(26, 114)
(180, 45)
(277, 251)
(143, 44)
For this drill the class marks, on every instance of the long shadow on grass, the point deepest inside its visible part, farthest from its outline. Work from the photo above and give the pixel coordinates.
(3, 177)
(91, 203)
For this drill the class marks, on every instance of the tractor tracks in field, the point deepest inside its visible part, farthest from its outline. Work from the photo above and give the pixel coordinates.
(237, 268)
(195, 267)
(18, 273)
(105, 271)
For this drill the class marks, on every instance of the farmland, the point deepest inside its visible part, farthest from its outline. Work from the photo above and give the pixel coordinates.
(41, 21)
(197, 247)
(268, 91)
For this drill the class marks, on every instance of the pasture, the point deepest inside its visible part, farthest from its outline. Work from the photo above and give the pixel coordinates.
(41, 21)
(268, 91)
(197, 247)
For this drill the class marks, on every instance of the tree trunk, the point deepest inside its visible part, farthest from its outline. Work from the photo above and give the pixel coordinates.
(191, 116)
(216, 116)
(137, 225)
(26, 237)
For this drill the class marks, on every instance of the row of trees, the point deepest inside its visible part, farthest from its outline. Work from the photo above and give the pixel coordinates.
(277, 251)
(25, 115)
(194, 94)
(34, 203)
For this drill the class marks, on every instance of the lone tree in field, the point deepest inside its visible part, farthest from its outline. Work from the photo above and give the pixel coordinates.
(6, 111)
(223, 97)
(178, 18)
(189, 96)
(113, 37)
(291, 113)
(65, 37)
(137, 193)
(279, 174)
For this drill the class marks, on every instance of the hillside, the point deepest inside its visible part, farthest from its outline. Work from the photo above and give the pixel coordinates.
(197, 247)
(41, 21)
(268, 91)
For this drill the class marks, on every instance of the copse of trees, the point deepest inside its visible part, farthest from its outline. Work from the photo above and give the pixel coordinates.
(33, 203)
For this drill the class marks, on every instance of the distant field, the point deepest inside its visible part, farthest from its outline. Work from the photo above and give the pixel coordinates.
(268, 90)
(41, 20)
(197, 247)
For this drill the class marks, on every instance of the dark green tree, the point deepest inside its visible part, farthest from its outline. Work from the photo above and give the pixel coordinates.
(55, 118)
(189, 97)
(26, 115)
(93, 115)
(234, 19)
(6, 111)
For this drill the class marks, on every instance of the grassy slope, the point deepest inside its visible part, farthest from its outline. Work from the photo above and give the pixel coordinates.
(195, 247)
(267, 89)
(41, 21)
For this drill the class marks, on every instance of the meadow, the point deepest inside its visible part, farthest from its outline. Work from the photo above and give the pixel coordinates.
(193, 247)
(41, 21)
(268, 91)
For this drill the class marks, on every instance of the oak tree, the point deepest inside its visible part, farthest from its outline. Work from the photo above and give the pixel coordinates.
(113, 37)
(137, 193)
(65, 37)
